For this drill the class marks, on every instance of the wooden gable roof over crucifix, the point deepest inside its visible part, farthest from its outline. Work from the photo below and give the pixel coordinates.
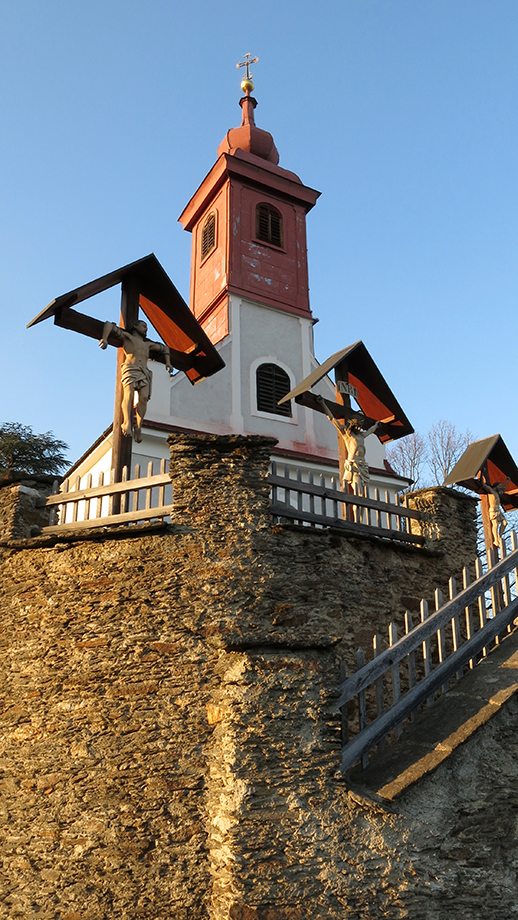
(357, 374)
(489, 457)
(146, 286)
(191, 349)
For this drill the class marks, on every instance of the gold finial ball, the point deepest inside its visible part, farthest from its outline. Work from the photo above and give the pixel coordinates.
(247, 85)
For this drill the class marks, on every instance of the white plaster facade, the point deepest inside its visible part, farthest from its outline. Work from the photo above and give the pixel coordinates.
(227, 404)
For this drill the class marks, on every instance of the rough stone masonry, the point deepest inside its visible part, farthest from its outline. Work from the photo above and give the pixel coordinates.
(169, 746)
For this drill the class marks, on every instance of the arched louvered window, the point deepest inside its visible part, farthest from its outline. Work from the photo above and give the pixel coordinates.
(208, 235)
(272, 383)
(268, 224)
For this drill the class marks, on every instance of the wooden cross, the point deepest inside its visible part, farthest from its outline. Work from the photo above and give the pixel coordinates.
(121, 445)
(357, 376)
(487, 467)
(145, 285)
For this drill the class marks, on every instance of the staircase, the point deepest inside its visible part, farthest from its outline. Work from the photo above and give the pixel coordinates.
(382, 699)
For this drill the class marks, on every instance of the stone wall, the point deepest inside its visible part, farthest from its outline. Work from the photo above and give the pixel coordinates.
(448, 518)
(22, 504)
(103, 736)
(294, 586)
(447, 847)
(169, 745)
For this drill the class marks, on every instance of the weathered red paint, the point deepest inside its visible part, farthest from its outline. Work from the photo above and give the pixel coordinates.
(239, 263)
(249, 137)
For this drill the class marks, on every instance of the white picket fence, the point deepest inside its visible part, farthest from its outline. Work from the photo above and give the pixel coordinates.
(318, 503)
(297, 496)
(145, 497)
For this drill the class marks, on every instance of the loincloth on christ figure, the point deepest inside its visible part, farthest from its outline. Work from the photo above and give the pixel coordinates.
(136, 376)
(496, 514)
(356, 468)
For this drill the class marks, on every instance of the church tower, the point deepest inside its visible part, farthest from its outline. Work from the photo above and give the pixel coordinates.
(248, 221)
(249, 291)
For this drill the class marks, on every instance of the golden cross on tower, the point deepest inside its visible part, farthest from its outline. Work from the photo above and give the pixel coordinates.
(248, 59)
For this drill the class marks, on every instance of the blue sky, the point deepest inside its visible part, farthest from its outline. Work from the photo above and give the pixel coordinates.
(401, 112)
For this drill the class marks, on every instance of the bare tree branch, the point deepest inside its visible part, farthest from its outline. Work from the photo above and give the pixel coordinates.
(445, 446)
(408, 457)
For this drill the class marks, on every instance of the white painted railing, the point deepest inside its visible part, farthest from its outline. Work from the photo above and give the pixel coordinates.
(76, 506)
(318, 503)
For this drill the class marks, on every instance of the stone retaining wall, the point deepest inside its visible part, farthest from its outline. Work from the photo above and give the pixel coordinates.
(169, 744)
(22, 504)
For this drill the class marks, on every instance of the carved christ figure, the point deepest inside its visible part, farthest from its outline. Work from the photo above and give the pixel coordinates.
(356, 470)
(135, 374)
(497, 518)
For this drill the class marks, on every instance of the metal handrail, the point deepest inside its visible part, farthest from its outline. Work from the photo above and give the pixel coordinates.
(496, 581)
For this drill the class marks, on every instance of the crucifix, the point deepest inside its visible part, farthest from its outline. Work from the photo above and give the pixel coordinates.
(185, 346)
(494, 522)
(356, 376)
(493, 519)
(133, 375)
(354, 470)
(488, 468)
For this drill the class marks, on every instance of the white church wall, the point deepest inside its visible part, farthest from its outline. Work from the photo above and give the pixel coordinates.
(269, 335)
(204, 407)
(158, 405)
(227, 402)
(97, 462)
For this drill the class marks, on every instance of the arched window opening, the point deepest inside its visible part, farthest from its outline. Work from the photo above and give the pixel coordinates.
(208, 235)
(268, 224)
(272, 383)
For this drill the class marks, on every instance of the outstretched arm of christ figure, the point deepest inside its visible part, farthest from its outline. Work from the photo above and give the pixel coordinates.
(341, 426)
(338, 424)
(498, 489)
(108, 328)
(131, 341)
(157, 349)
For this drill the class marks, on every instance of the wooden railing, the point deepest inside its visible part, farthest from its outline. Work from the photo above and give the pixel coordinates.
(109, 503)
(324, 505)
(81, 504)
(415, 669)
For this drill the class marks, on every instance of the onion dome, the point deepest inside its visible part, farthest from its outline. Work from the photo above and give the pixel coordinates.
(248, 136)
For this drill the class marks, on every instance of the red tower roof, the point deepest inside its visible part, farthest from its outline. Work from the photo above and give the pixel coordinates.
(249, 137)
